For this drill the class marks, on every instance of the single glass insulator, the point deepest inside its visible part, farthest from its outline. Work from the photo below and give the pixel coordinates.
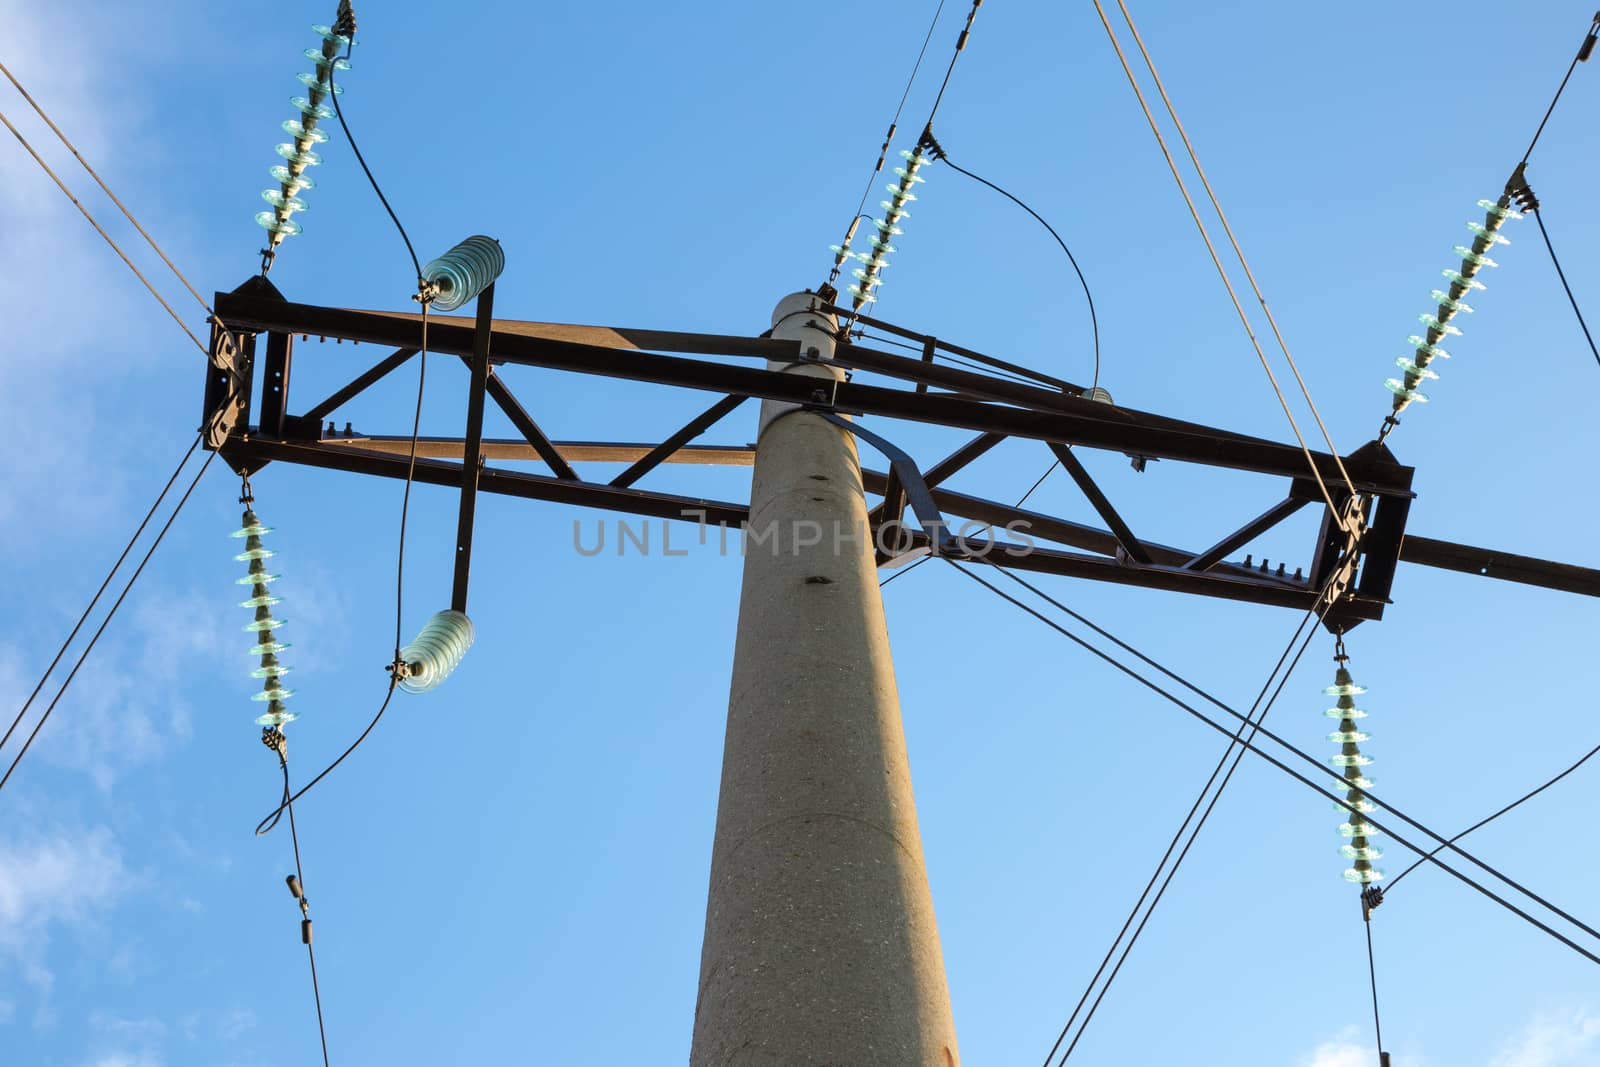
(907, 154)
(1364, 877)
(268, 624)
(868, 280)
(257, 579)
(1499, 210)
(893, 212)
(1353, 737)
(272, 693)
(320, 84)
(1480, 230)
(260, 602)
(1345, 713)
(271, 670)
(255, 553)
(1399, 389)
(295, 182)
(1356, 852)
(901, 194)
(1358, 780)
(888, 227)
(1353, 760)
(316, 56)
(1361, 829)
(862, 295)
(276, 198)
(1432, 351)
(1470, 256)
(254, 529)
(1444, 299)
(909, 175)
(883, 247)
(294, 155)
(1366, 807)
(327, 34)
(269, 647)
(299, 132)
(1414, 368)
(1433, 323)
(272, 224)
(1461, 279)
(1344, 689)
(306, 107)
(276, 718)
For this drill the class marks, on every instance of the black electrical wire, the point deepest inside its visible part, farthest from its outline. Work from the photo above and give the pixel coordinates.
(1309, 759)
(1486, 821)
(1094, 323)
(99, 592)
(1372, 973)
(1048, 471)
(1237, 755)
(1584, 51)
(1538, 216)
(1302, 778)
(300, 878)
(110, 614)
(961, 43)
(339, 112)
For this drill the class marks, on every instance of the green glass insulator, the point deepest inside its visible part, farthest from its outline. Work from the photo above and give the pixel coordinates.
(1344, 688)
(294, 129)
(316, 56)
(327, 34)
(1414, 369)
(271, 670)
(312, 81)
(251, 529)
(1348, 737)
(1346, 760)
(909, 174)
(254, 578)
(276, 718)
(866, 279)
(1358, 829)
(1485, 233)
(272, 224)
(1357, 780)
(1356, 852)
(1439, 325)
(1345, 713)
(888, 227)
(263, 601)
(310, 110)
(893, 212)
(266, 625)
(254, 553)
(1499, 210)
(276, 198)
(268, 648)
(1399, 389)
(1364, 806)
(901, 195)
(272, 693)
(1444, 299)
(862, 295)
(1457, 278)
(1432, 351)
(1469, 256)
(294, 155)
(1364, 877)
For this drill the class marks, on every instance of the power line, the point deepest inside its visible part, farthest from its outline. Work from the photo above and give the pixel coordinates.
(961, 43)
(99, 592)
(298, 888)
(1299, 776)
(1584, 51)
(339, 113)
(101, 231)
(1222, 272)
(111, 614)
(1178, 836)
(1094, 323)
(1538, 216)
(1486, 821)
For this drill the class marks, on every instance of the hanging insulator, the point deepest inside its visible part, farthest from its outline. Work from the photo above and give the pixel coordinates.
(463, 272)
(1356, 827)
(291, 180)
(263, 625)
(1485, 235)
(437, 650)
(894, 209)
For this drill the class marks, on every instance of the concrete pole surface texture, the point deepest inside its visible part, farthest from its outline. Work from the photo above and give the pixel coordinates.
(821, 948)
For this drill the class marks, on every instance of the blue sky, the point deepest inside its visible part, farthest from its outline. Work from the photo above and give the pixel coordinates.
(514, 867)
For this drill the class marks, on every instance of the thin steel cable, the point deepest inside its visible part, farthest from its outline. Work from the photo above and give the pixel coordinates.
(1216, 205)
(1306, 781)
(1372, 972)
(101, 231)
(1593, 26)
(883, 152)
(151, 241)
(1538, 216)
(1222, 272)
(1094, 323)
(267, 824)
(961, 44)
(1183, 827)
(1306, 757)
(1486, 821)
(1035, 486)
(339, 112)
(311, 953)
(99, 592)
(111, 614)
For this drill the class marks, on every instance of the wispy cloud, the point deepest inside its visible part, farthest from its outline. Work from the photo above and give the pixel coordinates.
(1343, 1051)
(1555, 1039)
(56, 880)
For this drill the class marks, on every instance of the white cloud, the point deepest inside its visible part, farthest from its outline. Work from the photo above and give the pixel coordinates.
(144, 1058)
(1570, 1039)
(236, 1023)
(53, 881)
(1343, 1051)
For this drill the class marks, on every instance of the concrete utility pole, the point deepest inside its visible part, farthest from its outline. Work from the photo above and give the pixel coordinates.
(821, 948)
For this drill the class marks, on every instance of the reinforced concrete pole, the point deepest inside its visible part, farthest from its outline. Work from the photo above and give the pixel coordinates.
(820, 947)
